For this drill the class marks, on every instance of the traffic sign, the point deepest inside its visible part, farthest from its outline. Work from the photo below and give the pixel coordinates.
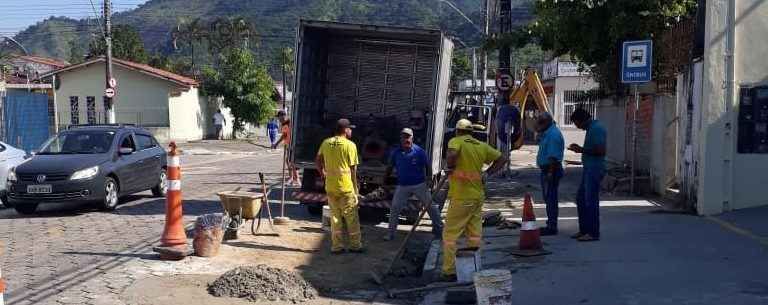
(504, 81)
(636, 61)
(112, 82)
(110, 92)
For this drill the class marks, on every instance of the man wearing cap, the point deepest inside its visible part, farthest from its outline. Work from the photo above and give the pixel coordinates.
(550, 160)
(337, 163)
(413, 169)
(466, 158)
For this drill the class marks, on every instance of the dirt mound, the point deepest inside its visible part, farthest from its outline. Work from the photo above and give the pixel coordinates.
(262, 283)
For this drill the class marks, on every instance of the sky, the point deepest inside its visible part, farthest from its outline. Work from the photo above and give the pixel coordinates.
(16, 15)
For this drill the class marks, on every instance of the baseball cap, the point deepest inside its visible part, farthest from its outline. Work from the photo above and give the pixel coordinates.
(464, 124)
(407, 131)
(344, 123)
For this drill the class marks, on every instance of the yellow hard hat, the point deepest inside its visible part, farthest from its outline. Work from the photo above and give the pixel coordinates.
(464, 124)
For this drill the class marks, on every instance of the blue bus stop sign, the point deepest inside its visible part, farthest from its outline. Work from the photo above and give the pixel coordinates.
(636, 61)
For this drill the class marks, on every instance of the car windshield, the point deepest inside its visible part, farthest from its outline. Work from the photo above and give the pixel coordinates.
(80, 142)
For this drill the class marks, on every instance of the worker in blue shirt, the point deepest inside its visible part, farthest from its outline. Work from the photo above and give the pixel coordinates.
(273, 126)
(550, 160)
(413, 168)
(593, 160)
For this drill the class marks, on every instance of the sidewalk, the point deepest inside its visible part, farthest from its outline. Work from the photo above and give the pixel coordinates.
(643, 257)
(255, 146)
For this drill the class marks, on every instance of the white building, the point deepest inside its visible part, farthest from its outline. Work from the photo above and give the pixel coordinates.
(726, 150)
(567, 86)
(165, 103)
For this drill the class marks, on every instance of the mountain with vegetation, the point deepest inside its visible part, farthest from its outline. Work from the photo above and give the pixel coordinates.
(274, 21)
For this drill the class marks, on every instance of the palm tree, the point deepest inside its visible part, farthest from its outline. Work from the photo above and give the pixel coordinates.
(190, 34)
(226, 32)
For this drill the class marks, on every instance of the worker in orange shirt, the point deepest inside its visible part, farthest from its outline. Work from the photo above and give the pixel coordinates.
(466, 158)
(285, 138)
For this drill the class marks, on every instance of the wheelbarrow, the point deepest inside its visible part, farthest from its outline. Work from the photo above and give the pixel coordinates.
(241, 207)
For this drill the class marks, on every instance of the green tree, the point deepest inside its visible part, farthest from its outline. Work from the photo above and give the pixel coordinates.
(530, 55)
(592, 30)
(76, 51)
(461, 67)
(126, 44)
(246, 87)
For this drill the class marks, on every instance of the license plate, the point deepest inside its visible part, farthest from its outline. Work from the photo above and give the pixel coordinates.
(39, 189)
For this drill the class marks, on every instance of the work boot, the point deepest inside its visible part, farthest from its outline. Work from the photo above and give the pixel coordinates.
(337, 252)
(358, 251)
(547, 231)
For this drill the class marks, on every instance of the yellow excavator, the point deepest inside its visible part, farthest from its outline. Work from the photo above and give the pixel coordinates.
(531, 85)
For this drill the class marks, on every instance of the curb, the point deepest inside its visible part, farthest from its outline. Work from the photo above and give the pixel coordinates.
(223, 153)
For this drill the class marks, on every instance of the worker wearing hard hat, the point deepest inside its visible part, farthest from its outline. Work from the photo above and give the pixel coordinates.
(466, 158)
(337, 163)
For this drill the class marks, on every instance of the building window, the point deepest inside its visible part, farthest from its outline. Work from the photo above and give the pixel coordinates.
(74, 110)
(91, 104)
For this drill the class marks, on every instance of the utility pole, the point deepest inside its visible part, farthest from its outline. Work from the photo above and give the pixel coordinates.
(474, 69)
(284, 56)
(505, 26)
(109, 100)
(484, 55)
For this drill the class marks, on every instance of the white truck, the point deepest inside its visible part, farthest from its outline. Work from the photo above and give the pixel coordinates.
(383, 79)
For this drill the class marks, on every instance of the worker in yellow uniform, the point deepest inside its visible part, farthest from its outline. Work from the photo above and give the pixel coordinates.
(466, 158)
(337, 163)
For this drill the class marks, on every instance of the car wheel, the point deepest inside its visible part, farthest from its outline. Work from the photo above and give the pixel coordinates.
(26, 209)
(111, 191)
(4, 199)
(162, 187)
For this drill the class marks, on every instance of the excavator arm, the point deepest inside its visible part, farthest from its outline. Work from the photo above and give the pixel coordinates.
(531, 85)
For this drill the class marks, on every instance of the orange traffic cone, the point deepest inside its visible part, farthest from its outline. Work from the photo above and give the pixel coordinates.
(2, 289)
(174, 240)
(530, 238)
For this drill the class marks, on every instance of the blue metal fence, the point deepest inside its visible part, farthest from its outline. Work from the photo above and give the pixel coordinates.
(25, 119)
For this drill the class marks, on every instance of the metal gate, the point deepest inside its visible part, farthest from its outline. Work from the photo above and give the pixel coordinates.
(25, 119)
(574, 99)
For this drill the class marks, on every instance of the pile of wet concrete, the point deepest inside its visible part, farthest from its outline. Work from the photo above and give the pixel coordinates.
(262, 283)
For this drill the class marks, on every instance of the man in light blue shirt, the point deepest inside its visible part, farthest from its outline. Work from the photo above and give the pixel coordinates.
(550, 160)
(593, 159)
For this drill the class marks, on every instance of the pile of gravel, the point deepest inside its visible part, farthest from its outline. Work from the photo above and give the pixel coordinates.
(262, 283)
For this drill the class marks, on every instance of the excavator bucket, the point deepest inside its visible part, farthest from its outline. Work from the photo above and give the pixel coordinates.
(531, 85)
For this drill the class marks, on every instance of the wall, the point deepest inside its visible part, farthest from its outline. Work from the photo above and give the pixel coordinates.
(724, 184)
(141, 99)
(613, 117)
(187, 116)
(664, 141)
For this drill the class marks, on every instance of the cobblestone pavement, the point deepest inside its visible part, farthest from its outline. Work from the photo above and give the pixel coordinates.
(78, 255)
